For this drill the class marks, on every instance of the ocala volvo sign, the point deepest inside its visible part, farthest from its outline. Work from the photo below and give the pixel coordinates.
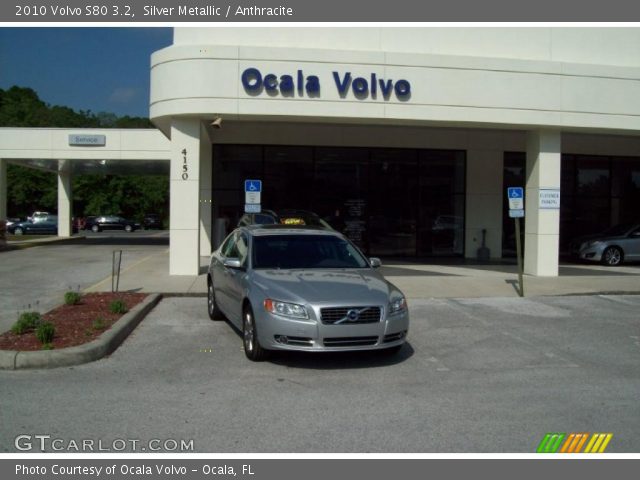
(370, 86)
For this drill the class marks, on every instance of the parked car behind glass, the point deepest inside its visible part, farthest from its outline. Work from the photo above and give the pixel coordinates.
(611, 247)
(303, 288)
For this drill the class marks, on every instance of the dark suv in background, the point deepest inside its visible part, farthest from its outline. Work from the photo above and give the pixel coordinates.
(151, 221)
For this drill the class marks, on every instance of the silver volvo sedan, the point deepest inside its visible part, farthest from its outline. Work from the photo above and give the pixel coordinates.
(306, 289)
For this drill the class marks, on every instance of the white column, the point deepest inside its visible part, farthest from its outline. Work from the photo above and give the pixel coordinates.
(184, 238)
(65, 198)
(3, 189)
(542, 226)
(484, 201)
(206, 194)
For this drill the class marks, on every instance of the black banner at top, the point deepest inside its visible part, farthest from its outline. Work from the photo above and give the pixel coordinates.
(379, 11)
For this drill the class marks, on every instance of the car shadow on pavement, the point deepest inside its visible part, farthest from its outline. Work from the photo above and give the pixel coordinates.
(335, 360)
(121, 240)
(341, 360)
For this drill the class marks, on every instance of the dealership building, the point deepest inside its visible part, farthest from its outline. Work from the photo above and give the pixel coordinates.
(404, 138)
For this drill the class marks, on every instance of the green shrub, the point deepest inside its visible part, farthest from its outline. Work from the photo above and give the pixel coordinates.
(26, 322)
(48, 346)
(72, 298)
(45, 332)
(118, 306)
(99, 324)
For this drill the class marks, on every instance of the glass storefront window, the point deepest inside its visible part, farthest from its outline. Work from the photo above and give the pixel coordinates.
(390, 202)
(289, 175)
(596, 193)
(393, 211)
(441, 217)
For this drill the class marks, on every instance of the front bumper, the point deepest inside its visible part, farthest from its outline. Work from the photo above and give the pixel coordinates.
(311, 335)
(589, 253)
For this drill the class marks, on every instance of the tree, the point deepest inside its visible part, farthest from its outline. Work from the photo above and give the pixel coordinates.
(29, 189)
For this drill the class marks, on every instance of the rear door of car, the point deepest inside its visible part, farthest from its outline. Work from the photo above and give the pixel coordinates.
(632, 245)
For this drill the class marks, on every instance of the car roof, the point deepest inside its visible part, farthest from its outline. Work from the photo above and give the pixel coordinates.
(279, 229)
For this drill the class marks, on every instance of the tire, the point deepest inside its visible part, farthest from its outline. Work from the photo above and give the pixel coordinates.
(128, 228)
(95, 228)
(252, 348)
(18, 231)
(612, 256)
(212, 307)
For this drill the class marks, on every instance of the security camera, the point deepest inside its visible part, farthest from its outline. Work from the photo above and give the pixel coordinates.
(217, 122)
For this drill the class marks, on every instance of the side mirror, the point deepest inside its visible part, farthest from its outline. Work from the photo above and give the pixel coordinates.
(375, 262)
(232, 263)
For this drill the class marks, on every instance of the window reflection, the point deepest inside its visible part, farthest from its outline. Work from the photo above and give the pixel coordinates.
(390, 202)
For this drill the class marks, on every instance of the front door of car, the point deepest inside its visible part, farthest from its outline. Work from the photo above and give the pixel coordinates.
(236, 276)
(632, 245)
(221, 274)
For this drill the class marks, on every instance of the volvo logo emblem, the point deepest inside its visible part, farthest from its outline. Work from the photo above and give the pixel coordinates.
(353, 315)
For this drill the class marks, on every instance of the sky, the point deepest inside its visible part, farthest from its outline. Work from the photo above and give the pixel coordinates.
(101, 69)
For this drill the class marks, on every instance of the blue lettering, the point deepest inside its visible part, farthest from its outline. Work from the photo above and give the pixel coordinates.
(360, 86)
(313, 85)
(300, 82)
(270, 82)
(342, 86)
(385, 87)
(402, 88)
(286, 85)
(252, 79)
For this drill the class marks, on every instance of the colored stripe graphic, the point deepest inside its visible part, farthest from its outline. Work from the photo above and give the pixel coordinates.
(551, 442)
(598, 443)
(573, 442)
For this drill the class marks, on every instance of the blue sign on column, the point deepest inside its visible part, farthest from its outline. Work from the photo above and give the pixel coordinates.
(252, 186)
(515, 195)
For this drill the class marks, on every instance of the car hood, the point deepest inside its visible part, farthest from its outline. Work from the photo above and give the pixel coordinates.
(357, 287)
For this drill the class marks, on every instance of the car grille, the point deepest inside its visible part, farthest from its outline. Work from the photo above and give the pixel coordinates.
(349, 341)
(349, 315)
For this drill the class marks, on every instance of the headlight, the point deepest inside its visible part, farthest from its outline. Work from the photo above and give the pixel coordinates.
(397, 305)
(593, 243)
(285, 309)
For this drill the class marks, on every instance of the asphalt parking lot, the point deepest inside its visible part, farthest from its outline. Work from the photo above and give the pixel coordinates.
(36, 278)
(478, 375)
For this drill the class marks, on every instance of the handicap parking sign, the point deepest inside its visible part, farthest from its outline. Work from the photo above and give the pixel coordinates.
(516, 198)
(252, 191)
(253, 186)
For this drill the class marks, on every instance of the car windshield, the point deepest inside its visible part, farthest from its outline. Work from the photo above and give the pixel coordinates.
(618, 230)
(305, 251)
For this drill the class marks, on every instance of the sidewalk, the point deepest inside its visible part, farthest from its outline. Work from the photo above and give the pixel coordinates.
(151, 274)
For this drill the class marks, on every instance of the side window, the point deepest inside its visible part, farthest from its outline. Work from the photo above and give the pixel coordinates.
(242, 249)
(227, 246)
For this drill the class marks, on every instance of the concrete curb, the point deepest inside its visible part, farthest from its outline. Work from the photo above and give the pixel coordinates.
(89, 352)
(20, 244)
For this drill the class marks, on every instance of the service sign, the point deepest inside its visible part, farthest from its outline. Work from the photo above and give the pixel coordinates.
(549, 198)
(87, 140)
